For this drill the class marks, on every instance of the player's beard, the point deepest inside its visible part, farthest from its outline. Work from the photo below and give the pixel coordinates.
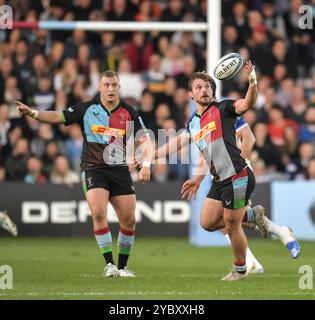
(204, 101)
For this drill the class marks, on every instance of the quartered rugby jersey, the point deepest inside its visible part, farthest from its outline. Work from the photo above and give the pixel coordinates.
(105, 133)
(214, 134)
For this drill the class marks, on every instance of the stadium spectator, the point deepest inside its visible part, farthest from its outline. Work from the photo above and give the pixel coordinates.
(305, 155)
(266, 150)
(273, 19)
(239, 20)
(52, 151)
(66, 77)
(73, 147)
(45, 135)
(146, 110)
(162, 113)
(278, 127)
(11, 90)
(44, 97)
(298, 105)
(154, 77)
(230, 43)
(131, 83)
(174, 11)
(62, 172)
(283, 55)
(172, 63)
(5, 124)
(34, 171)
(138, 51)
(148, 11)
(189, 67)
(15, 164)
(307, 130)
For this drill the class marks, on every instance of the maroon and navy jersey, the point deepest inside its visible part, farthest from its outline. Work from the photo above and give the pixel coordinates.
(214, 134)
(105, 133)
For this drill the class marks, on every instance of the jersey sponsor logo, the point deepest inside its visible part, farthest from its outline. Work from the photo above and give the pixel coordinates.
(205, 130)
(114, 132)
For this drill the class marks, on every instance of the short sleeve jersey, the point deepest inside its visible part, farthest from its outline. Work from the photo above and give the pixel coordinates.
(105, 133)
(214, 133)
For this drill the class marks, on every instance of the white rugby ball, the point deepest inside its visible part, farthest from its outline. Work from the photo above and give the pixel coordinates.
(228, 66)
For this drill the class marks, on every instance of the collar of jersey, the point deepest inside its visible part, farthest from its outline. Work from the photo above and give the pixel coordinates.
(108, 112)
(212, 103)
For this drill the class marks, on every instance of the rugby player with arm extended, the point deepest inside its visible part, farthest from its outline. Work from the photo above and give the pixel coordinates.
(231, 194)
(106, 124)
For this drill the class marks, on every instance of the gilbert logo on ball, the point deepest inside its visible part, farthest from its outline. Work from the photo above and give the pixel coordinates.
(228, 66)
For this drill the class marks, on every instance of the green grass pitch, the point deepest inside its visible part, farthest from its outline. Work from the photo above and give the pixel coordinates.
(48, 268)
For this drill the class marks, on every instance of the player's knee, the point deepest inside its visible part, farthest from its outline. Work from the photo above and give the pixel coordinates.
(230, 225)
(128, 223)
(98, 216)
(209, 226)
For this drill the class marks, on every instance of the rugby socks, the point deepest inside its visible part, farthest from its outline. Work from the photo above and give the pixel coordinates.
(240, 266)
(249, 255)
(126, 240)
(249, 216)
(104, 241)
(273, 228)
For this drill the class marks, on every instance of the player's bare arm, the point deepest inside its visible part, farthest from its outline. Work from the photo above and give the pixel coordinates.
(174, 145)
(247, 139)
(191, 186)
(242, 105)
(145, 171)
(43, 116)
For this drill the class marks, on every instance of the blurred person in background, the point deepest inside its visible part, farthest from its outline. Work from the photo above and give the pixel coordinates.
(131, 83)
(266, 150)
(146, 110)
(73, 147)
(298, 106)
(172, 63)
(278, 126)
(35, 171)
(62, 173)
(154, 77)
(45, 134)
(138, 51)
(15, 164)
(307, 129)
(52, 151)
(5, 124)
(66, 76)
(44, 97)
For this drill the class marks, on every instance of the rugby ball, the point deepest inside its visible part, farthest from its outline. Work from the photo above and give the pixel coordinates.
(228, 66)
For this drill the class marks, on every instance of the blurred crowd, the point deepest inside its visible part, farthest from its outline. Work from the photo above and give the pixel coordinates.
(50, 70)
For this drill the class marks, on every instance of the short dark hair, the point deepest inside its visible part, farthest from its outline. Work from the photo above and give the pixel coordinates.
(109, 74)
(204, 76)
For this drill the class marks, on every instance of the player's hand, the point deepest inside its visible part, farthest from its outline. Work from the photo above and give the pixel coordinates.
(23, 108)
(144, 174)
(189, 190)
(250, 70)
